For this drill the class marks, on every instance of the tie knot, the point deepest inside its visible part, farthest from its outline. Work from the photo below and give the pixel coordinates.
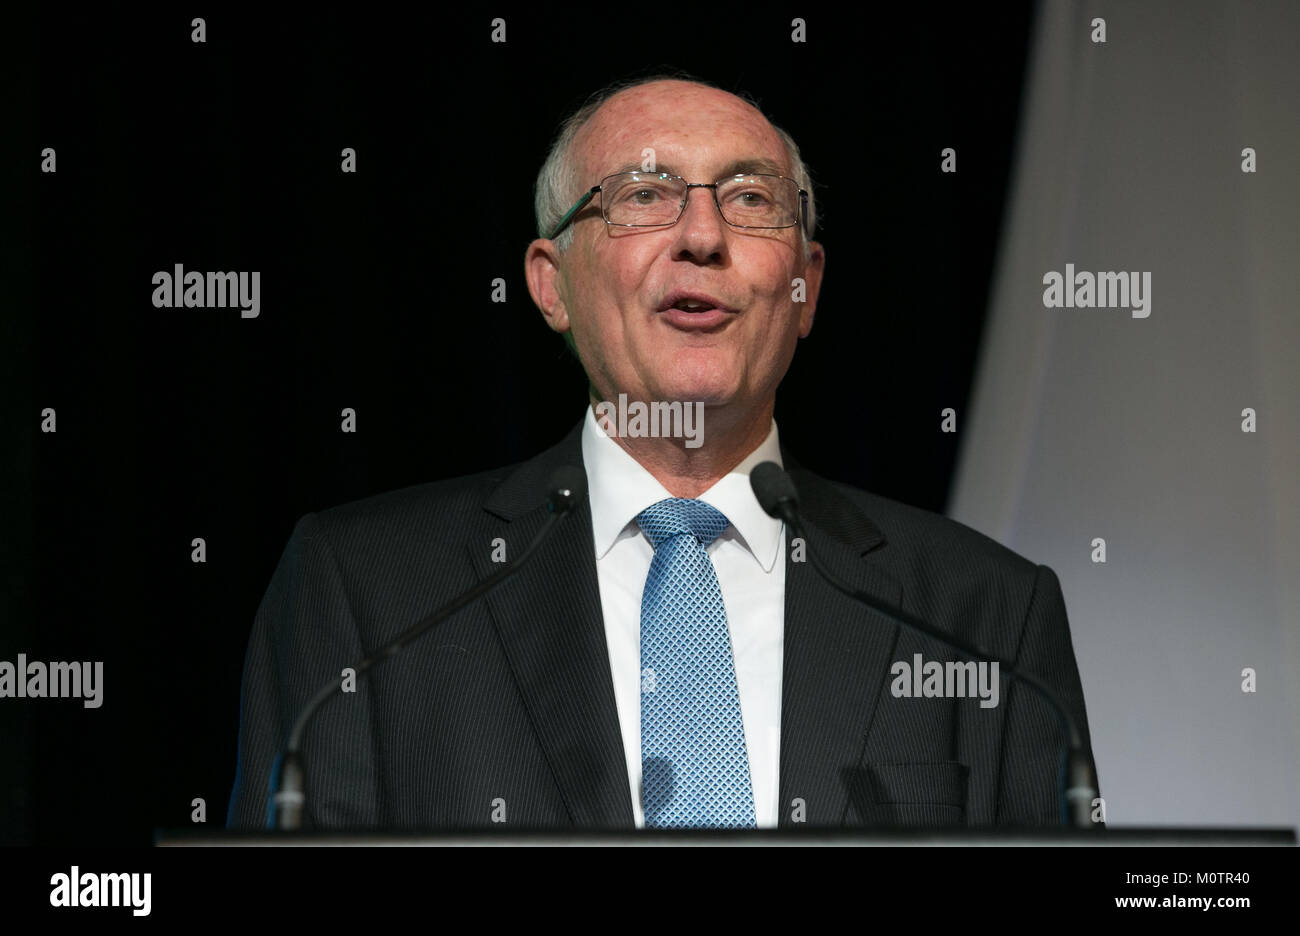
(675, 516)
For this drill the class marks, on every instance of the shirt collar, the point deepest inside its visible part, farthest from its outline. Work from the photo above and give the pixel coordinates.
(621, 488)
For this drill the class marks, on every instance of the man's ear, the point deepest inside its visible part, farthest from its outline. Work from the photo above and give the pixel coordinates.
(545, 281)
(812, 276)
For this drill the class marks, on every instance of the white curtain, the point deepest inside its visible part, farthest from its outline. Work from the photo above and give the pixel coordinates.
(1090, 423)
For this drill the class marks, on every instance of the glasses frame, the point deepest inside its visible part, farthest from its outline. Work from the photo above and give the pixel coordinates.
(591, 193)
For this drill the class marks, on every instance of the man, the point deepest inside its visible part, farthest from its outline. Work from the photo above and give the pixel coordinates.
(668, 658)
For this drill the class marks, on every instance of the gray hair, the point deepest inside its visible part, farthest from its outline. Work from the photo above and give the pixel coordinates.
(558, 185)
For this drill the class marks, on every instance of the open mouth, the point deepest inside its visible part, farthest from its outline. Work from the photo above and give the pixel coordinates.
(696, 319)
(693, 311)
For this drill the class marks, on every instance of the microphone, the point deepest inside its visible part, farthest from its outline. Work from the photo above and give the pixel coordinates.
(567, 487)
(778, 497)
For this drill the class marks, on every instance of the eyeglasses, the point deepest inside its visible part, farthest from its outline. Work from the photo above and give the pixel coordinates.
(649, 199)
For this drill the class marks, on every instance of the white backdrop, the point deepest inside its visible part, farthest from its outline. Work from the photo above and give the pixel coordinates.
(1087, 422)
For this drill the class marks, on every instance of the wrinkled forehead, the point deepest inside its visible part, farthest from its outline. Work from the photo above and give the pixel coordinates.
(698, 133)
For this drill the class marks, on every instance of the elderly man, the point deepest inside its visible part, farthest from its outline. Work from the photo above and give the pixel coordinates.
(667, 659)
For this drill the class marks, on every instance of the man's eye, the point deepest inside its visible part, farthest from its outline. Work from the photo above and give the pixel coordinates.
(644, 196)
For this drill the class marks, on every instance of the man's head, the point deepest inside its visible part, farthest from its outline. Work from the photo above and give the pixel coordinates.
(607, 287)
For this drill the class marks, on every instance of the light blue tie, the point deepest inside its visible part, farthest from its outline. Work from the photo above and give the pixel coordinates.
(694, 766)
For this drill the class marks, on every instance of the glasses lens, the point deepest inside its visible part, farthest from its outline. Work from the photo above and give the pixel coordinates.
(759, 201)
(642, 198)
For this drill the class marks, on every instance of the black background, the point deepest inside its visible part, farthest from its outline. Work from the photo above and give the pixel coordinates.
(183, 423)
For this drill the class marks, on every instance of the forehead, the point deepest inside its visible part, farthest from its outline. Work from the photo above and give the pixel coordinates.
(691, 129)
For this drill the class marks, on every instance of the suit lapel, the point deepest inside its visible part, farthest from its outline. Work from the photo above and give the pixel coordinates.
(551, 626)
(836, 658)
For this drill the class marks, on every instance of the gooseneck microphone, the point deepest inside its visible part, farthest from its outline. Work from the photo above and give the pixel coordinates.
(567, 487)
(777, 496)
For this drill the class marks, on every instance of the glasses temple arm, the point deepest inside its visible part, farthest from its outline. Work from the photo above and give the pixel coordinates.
(577, 206)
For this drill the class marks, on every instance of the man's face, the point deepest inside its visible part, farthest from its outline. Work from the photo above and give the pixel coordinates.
(612, 285)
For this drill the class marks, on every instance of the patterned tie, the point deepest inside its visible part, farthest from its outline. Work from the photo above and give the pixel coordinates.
(694, 766)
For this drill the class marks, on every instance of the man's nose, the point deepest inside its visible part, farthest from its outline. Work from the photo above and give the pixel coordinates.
(701, 232)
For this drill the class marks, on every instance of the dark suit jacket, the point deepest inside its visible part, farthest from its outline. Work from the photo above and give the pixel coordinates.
(509, 705)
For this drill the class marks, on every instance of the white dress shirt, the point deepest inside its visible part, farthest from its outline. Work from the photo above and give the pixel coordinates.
(749, 558)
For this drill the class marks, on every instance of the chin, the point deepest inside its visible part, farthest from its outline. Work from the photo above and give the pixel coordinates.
(712, 390)
(709, 396)
(711, 378)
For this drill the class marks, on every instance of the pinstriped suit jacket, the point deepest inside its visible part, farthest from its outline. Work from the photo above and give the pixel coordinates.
(507, 708)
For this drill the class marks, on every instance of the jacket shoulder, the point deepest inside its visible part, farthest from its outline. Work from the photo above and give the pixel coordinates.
(948, 569)
(914, 529)
(448, 501)
(507, 491)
